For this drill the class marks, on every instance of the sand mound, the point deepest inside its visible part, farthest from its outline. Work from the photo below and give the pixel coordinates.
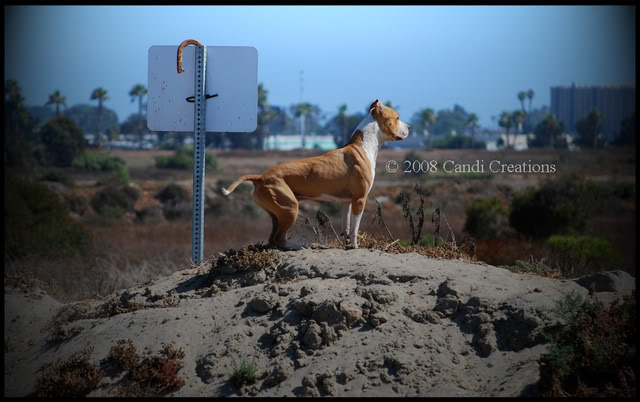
(328, 322)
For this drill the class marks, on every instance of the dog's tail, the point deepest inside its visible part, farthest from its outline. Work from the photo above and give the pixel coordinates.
(250, 177)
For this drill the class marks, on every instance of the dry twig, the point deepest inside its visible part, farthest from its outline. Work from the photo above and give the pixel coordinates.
(378, 216)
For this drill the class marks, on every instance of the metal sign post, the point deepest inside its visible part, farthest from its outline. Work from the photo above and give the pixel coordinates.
(199, 134)
(233, 75)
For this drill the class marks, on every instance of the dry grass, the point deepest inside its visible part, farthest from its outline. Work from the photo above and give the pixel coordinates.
(128, 253)
(377, 242)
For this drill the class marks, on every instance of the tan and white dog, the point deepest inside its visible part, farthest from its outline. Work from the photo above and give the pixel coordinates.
(344, 175)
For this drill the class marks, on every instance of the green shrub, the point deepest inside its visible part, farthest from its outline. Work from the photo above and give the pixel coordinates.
(572, 254)
(558, 207)
(37, 222)
(63, 140)
(486, 218)
(615, 189)
(243, 374)
(113, 201)
(183, 159)
(595, 353)
(100, 162)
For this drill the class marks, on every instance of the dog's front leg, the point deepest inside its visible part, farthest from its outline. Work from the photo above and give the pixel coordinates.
(346, 219)
(357, 210)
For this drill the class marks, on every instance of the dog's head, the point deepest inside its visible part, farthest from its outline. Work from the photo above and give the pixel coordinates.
(393, 129)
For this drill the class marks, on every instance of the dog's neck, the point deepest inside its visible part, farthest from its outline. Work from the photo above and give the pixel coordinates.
(372, 138)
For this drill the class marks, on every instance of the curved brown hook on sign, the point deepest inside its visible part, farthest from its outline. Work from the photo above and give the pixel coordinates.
(181, 49)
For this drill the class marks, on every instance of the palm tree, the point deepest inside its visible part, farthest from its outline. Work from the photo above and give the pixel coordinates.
(428, 119)
(12, 92)
(57, 100)
(101, 95)
(549, 130)
(262, 97)
(138, 91)
(518, 117)
(506, 120)
(265, 114)
(595, 119)
(530, 95)
(342, 118)
(472, 121)
(521, 97)
(302, 110)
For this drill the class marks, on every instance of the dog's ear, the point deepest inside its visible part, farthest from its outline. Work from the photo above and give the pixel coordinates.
(375, 107)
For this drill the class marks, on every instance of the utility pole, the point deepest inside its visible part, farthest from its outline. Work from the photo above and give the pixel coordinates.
(302, 116)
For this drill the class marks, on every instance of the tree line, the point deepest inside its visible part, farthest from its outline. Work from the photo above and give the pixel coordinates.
(447, 128)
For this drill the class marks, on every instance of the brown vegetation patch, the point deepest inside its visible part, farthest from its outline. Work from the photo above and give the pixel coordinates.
(73, 378)
(26, 281)
(252, 257)
(595, 355)
(148, 376)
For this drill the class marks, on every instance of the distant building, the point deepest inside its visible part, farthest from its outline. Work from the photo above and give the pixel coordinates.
(290, 142)
(518, 141)
(572, 104)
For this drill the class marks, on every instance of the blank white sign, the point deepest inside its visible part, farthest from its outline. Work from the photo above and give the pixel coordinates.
(231, 72)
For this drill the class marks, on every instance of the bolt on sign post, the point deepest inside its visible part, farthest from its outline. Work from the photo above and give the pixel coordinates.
(213, 88)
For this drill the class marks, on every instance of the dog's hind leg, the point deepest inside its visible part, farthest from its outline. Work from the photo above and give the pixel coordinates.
(274, 228)
(278, 199)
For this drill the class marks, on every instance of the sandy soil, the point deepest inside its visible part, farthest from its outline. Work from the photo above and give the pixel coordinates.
(315, 322)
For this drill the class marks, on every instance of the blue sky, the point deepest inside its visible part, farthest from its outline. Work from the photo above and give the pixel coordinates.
(424, 56)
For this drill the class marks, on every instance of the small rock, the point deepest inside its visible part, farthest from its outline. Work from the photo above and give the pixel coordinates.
(328, 386)
(377, 319)
(328, 334)
(310, 387)
(433, 318)
(306, 306)
(447, 305)
(384, 377)
(313, 336)
(307, 290)
(328, 312)
(474, 321)
(380, 296)
(280, 372)
(449, 287)
(255, 278)
(351, 312)
(486, 340)
(263, 303)
(612, 281)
